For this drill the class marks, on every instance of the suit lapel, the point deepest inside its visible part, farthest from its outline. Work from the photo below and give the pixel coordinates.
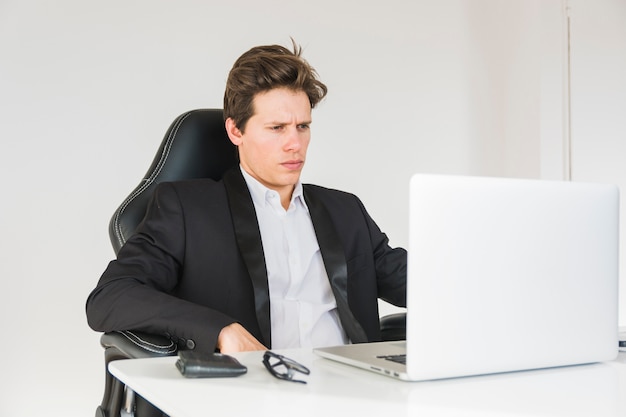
(335, 264)
(250, 246)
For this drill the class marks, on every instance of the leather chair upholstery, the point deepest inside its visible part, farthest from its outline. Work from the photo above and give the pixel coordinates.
(195, 146)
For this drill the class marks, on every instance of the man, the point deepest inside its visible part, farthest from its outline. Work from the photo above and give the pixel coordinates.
(257, 260)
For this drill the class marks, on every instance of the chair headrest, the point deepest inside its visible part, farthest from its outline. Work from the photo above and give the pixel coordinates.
(195, 146)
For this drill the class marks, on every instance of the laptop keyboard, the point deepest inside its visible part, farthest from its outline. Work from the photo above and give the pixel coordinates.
(394, 358)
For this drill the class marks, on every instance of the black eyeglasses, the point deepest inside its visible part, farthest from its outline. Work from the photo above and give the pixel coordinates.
(283, 368)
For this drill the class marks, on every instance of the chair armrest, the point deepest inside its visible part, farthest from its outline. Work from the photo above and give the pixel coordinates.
(393, 327)
(133, 344)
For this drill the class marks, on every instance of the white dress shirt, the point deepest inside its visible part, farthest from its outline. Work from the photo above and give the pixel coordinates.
(302, 306)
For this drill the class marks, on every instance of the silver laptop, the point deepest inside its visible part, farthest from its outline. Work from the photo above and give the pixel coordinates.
(503, 275)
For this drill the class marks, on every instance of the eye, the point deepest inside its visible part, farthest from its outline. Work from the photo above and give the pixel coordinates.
(304, 126)
(276, 128)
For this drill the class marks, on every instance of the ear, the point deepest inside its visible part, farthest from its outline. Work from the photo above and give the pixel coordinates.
(234, 134)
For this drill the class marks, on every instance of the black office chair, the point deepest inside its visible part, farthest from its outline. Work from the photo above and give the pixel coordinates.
(195, 146)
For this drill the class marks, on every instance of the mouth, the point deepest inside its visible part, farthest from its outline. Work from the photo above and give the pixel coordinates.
(293, 165)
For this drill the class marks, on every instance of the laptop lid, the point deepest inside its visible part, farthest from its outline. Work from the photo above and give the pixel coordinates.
(510, 274)
(503, 275)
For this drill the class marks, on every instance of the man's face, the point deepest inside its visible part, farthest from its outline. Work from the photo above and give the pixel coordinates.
(273, 147)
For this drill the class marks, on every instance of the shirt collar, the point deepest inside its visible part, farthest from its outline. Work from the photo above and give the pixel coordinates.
(259, 192)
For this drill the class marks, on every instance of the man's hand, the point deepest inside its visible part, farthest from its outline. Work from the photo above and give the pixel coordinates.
(235, 338)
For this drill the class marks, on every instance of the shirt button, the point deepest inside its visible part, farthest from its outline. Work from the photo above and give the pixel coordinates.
(191, 344)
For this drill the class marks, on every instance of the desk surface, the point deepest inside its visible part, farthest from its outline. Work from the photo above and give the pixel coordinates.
(334, 389)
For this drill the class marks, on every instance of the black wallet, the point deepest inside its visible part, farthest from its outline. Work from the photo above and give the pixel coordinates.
(208, 365)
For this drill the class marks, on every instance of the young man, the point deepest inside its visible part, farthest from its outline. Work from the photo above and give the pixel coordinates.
(257, 260)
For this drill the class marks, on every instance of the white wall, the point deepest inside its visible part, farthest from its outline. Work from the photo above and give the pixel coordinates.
(87, 90)
(598, 102)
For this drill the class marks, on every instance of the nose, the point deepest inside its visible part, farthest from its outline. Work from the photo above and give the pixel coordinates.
(294, 140)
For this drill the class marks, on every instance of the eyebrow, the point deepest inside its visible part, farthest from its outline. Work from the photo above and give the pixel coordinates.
(277, 123)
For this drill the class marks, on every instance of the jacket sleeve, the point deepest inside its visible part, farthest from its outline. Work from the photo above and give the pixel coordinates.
(390, 264)
(134, 292)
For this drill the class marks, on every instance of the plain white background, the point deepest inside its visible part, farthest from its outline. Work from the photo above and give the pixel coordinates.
(87, 90)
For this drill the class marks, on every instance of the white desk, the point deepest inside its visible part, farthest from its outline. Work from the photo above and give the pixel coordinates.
(334, 389)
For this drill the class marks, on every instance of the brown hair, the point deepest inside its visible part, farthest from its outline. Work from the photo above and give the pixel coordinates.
(264, 68)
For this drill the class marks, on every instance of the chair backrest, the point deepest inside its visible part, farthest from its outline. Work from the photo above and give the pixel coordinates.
(195, 146)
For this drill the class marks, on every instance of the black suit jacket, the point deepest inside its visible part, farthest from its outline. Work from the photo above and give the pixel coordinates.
(196, 265)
